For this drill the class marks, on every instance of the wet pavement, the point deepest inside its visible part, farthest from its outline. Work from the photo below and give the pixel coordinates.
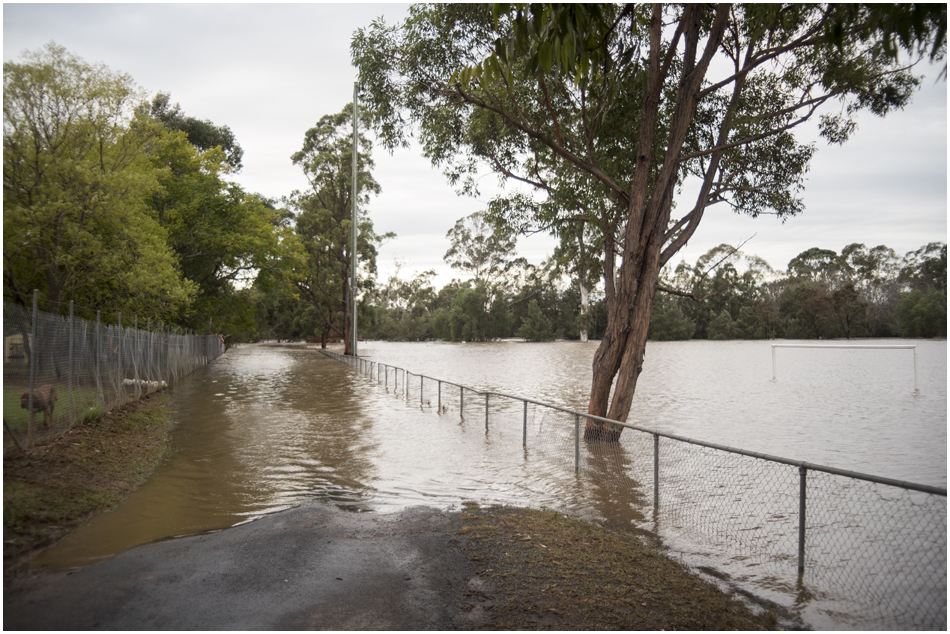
(313, 567)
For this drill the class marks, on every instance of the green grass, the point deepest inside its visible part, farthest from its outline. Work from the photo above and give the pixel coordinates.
(85, 399)
(51, 489)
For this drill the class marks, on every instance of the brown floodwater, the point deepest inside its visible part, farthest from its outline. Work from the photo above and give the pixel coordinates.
(269, 427)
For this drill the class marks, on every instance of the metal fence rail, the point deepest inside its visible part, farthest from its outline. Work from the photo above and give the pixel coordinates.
(817, 531)
(58, 370)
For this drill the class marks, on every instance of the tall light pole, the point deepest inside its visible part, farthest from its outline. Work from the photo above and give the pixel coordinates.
(354, 196)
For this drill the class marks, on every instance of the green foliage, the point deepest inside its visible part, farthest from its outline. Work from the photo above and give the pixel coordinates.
(122, 206)
(223, 237)
(536, 326)
(605, 110)
(923, 314)
(321, 269)
(202, 134)
(668, 321)
(76, 181)
(485, 252)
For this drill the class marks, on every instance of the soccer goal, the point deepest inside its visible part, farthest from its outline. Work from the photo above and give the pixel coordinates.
(870, 347)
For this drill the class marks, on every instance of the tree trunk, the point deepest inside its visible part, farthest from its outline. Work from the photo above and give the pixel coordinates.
(582, 275)
(585, 307)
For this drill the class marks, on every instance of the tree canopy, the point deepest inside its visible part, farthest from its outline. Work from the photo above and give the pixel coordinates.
(76, 184)
(639, 99)
(324, 220)
(116, 203)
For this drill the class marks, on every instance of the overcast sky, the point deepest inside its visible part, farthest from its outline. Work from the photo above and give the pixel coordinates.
(269, 72)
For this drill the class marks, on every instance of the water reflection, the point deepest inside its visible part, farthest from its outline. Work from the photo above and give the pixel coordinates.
(266, 428)
(262, 429)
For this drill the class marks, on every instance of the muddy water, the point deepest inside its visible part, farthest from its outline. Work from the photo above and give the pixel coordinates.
(269, 427)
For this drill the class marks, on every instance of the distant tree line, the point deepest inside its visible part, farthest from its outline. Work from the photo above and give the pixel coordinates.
(860, 292)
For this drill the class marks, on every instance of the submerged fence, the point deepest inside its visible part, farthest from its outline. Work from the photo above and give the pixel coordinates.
(818, 533)
(58, 370)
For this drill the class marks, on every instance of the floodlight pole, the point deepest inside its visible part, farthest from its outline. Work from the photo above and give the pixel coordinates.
(354, 197)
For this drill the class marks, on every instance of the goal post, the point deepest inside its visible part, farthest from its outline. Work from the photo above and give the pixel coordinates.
(857, 346)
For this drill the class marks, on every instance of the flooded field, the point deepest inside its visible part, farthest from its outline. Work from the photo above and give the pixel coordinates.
(269, 427)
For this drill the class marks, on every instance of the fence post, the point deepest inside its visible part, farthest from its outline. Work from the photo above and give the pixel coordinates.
(577, 443)
(421, 389)
(486, 411)
(916, 387)
(72, 401)
(119, 333)
(98, 356)
(135, 354)
(803, 472)
(32, 346)
(461, 401)
(524, 430)
(656, 470)
(440, 397)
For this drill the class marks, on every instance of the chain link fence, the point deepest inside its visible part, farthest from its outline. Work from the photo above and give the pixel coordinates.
(871, 549)
(58, 370)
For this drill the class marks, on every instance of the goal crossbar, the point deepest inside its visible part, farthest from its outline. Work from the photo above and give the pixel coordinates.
(855, 346)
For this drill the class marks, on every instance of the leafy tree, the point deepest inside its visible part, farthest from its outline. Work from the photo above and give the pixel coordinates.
(926, 268)
(403, 308)
(850, 310)
(668, 321)
(201, 133)
(484, 251)
(76, 181)
(322, 275)
(811, 308)
(817, 265)
(222, 236)
(629, 95)
(923, 314)
(875, 274)
(536, 327)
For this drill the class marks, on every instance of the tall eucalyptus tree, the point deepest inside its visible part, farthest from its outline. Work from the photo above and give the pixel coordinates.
(640, 98)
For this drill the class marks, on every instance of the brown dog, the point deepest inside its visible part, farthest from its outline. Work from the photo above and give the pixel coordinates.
(44, 400)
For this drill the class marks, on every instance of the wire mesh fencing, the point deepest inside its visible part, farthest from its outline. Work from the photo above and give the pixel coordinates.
(58, 370)
(874, 547)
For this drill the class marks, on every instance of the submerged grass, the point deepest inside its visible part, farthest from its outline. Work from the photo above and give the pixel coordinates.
(551, 571)
(51, 489)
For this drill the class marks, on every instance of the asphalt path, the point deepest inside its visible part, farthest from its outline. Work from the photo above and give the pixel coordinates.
(313, 567)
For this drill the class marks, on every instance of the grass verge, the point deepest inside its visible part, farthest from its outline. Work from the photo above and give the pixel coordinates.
(545, 570)
(51, 489)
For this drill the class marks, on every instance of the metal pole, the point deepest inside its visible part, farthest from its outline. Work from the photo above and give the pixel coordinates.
(577, 443)
(461, 401)
(801, 519)
(72, 402)
(440, 397)
(119, 332)
(656, 470)
(32, 347)
(524, 430)
(486, 411)
(421, 388)
(354, 196)
(135, 354)
(916, 389)
(98, 355)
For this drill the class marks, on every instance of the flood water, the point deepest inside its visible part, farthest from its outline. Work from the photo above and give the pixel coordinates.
(270, 427)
